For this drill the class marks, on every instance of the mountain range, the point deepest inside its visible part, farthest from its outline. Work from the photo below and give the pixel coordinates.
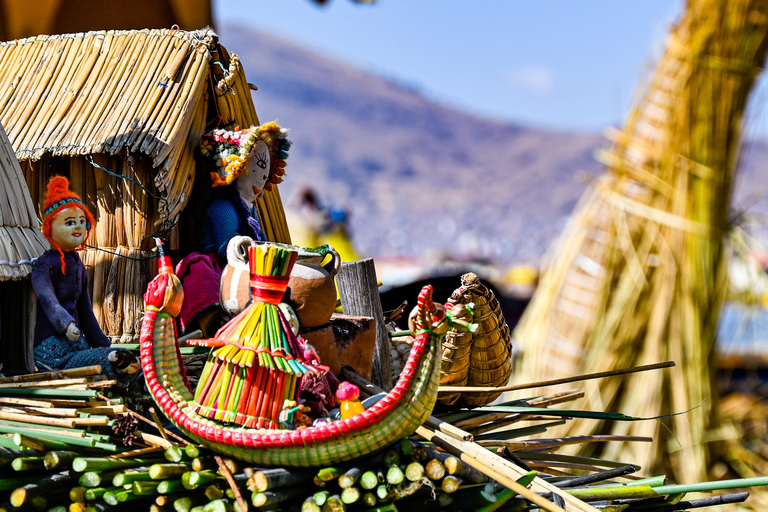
(419, 178)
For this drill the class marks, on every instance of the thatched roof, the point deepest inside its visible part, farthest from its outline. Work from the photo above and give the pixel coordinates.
(139, 91)
(21, 240)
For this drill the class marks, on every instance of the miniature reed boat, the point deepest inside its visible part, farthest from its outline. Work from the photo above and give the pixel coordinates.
(390, 419)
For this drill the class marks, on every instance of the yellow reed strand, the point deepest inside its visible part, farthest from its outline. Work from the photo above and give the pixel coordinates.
(269, 261)
(290, 387)
(237, 359)
(226, 377)
(235, 388)
(248, 326)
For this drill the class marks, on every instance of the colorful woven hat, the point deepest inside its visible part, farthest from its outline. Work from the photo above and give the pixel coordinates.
(230, 151)
(58, 197)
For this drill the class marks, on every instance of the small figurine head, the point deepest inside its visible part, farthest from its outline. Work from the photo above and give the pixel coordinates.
(252, 159)
(347, 391)
(66, 221)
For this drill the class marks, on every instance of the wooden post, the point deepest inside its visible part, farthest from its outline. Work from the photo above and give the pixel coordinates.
(358, 288)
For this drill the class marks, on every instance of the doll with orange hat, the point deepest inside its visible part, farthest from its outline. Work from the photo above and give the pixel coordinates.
(245, 164)
(67, 334)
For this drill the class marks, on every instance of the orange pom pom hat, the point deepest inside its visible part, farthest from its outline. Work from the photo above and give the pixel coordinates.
(58, 197)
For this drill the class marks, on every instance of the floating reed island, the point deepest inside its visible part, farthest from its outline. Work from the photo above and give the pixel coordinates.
(67, 444)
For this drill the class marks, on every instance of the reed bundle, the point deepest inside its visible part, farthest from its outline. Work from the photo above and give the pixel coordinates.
(21, 240)
(639, 274)
(53, 465)
(257, 362)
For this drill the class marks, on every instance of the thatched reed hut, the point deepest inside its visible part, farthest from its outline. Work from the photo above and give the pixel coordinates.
(121, 114)
(21, 242)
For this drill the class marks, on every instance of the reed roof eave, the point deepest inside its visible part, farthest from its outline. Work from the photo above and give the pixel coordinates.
(21, 241)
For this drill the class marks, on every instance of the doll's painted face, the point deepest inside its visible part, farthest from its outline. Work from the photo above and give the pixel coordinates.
(251, 186)
(69, 228)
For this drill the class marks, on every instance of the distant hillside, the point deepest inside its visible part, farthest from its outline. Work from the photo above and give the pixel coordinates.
(417, 176)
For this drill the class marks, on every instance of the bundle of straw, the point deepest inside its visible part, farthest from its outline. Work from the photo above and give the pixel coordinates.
(256, 364)
(20, 239)
(639, 276)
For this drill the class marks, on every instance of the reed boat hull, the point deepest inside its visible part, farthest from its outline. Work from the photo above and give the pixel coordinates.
(395, 417)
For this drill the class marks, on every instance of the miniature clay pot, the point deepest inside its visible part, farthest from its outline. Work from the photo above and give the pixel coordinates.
(234, 287)
(312, 285)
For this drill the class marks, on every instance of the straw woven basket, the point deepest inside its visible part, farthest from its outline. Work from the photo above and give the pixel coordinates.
(483, 358)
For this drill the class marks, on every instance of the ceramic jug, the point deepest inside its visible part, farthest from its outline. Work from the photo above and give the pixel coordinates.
(312, 285)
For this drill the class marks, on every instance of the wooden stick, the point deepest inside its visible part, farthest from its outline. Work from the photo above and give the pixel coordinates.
(92, 422)
(554, 382)
(360, 296)
(548, 443)
(472, 423)
(158, 423)
(103, 409)
(48, 384)
(26, 402)
(37, 411)
(447, 428)
(224, 470)
(156, 441)
(136, 453)
(38, 420)
(85, 371)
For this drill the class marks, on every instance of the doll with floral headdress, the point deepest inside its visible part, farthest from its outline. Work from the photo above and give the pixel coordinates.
(246, 163)
(67, 334)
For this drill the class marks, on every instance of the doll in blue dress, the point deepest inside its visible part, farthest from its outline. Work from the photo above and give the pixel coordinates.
(67, 334)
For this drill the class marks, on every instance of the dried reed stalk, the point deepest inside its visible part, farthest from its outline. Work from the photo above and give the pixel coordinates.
(639, 275)
(20, 237)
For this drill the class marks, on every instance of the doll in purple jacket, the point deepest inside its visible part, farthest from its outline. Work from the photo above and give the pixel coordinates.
(67, 334)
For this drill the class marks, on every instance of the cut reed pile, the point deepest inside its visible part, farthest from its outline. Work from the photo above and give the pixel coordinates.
(21, 240)
(639, 276)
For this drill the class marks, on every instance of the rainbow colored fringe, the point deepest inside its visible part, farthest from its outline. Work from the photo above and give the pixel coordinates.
(234, 389)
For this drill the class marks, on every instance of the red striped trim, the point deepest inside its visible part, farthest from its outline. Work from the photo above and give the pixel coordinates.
(268, 289)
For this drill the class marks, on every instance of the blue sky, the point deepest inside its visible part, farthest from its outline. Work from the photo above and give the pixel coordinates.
(565, 65)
